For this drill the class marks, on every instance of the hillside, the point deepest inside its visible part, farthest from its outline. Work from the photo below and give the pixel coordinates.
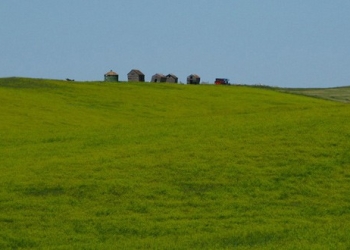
(339, 94)
(93, 165)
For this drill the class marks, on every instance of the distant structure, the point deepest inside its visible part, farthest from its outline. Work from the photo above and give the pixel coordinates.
(172, 78)
(136, 75)
(111, 76)
(158, 78)
(193, 79)
(222, 81)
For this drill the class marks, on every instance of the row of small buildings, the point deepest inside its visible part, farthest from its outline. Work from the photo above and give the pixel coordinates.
(136, 75)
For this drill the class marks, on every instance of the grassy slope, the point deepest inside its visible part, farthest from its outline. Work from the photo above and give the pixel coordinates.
(99, 165)
(340, 94)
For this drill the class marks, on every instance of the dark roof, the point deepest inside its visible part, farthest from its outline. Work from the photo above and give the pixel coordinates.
(137, 72)
(172, 75)
(159, 75)
(111, 73)
(194, 75)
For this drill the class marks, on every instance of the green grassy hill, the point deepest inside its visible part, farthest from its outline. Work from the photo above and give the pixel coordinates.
(340, 94)
(93, 165)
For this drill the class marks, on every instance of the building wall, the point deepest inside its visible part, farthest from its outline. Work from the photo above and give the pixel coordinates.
(193, 79)
(158, 78)
(113, 78)
(133, 76)
(171, 79)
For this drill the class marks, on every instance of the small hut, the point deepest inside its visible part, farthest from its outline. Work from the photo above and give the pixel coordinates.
(111, 76)
(136, 75)
(172, 78)
(193, 79)
(158, 78)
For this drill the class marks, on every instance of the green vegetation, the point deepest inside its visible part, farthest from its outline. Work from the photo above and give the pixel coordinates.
(341, 94)
(162, 166)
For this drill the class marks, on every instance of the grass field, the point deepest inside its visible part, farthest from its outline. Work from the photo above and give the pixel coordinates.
(340, 94)
(93, 165)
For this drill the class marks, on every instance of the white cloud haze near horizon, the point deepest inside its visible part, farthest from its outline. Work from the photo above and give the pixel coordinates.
(278, 43)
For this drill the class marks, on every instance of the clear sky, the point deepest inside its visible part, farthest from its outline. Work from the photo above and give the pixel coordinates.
(285, 43)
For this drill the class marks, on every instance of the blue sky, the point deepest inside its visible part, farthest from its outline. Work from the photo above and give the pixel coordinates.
(285, 43)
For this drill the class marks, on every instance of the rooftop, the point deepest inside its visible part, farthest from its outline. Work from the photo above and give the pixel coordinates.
(111, 73)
